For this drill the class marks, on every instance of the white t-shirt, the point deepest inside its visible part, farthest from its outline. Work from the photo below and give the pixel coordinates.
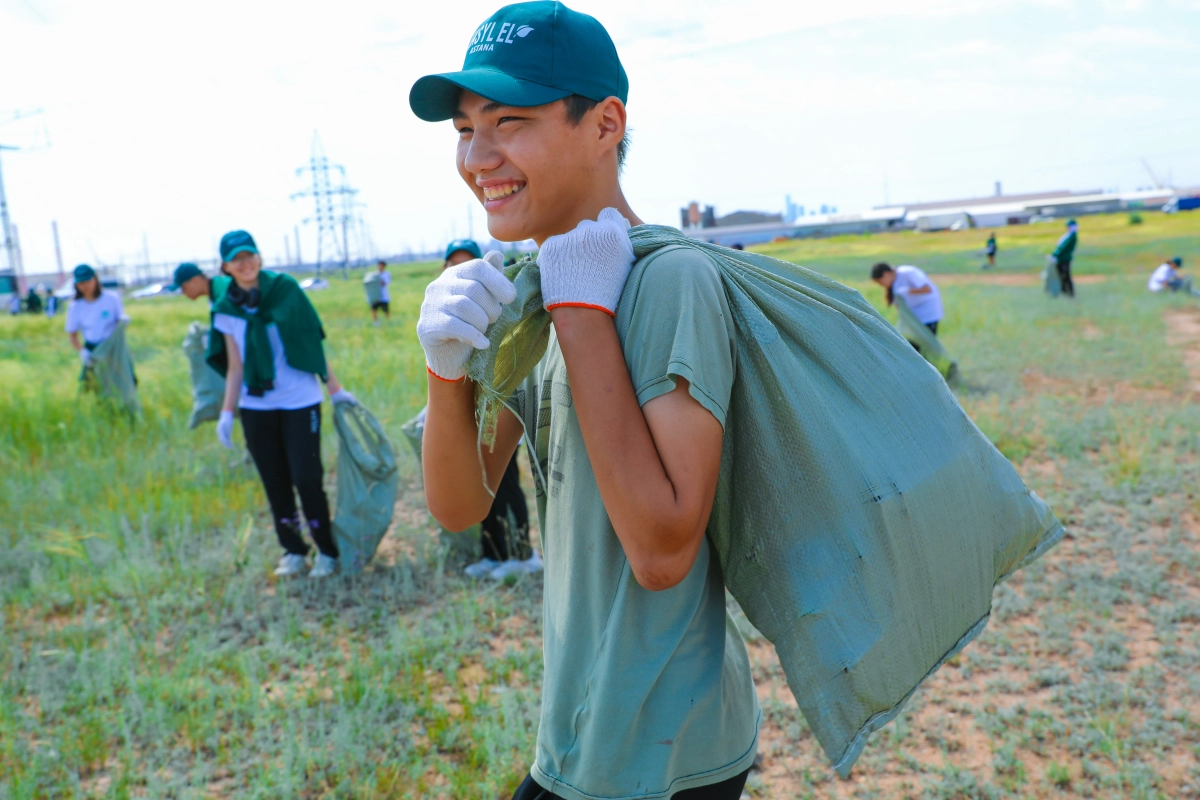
(925, 307)
(95, 319)
(293, 388)
(1164, 273)
(385, 278)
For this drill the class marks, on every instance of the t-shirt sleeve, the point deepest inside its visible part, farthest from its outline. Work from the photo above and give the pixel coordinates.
(72, 323)
(677, 324)
(385, 278)
(120, 305)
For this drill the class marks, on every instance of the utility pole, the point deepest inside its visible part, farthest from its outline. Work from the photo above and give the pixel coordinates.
(325, 192)
(57, 252)
(6, 228)
(299, 258)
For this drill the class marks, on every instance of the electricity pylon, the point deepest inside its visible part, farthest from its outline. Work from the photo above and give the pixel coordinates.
(333, 200)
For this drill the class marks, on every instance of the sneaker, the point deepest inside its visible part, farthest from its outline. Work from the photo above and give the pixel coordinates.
(516, 567)
(323, 567)
(290, 564)
(481, 568)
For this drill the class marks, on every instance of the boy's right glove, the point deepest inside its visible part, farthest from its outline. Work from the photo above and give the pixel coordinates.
(587, 267)
(459, 306)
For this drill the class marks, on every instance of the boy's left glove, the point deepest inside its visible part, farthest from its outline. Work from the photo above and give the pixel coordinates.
(588, 266)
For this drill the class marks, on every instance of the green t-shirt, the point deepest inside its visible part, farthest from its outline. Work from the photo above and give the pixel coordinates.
(645, 693)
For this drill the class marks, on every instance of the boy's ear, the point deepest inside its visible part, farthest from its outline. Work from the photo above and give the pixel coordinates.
(610, 123)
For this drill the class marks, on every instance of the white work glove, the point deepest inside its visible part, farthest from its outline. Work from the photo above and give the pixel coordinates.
(342, 396)
(85, 356)
(459, 306)
(588, 266)
(225, 429)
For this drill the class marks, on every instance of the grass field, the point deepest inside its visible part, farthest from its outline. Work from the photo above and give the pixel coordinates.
(148, 651)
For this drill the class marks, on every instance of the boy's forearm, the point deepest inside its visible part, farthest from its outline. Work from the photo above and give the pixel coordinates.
(657, 524)
(450, 455)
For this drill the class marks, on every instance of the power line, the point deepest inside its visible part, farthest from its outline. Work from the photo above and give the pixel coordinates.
(333, 200)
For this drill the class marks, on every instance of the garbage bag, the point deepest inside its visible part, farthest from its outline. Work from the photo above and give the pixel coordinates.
(367, 479)
(861, 519)
(374, 288)
(465, 544)
(929, 345)
(1051, 280)
(111, 374)
(208, 385)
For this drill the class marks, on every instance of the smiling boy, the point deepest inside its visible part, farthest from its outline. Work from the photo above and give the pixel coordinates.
(647, 690)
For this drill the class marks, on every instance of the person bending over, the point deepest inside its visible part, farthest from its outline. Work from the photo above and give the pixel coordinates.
(195, 284)
(647, 690)
(1063, 254)
(95, 313)
(921, 294)
(271, 354)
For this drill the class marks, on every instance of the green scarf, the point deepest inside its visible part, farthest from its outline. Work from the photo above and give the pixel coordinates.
(284, 303)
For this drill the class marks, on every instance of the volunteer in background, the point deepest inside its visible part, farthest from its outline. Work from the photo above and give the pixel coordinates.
(385, 295)
(194, 284)
(647, 691)
(1062, 255)
(460, 251)
(271, 354)
(95, 313)
(1166, 276)
(921, 294)
(991, 249)
(33, 302)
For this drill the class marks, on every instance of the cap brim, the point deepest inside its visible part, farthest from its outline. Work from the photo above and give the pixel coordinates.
(435, 97)
(241, 248)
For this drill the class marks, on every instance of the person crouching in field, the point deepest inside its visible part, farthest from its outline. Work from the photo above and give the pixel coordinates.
(911, 283)
(1166, 277)
(271, 354)
(95, 313)
(647, 690)
(194, 284)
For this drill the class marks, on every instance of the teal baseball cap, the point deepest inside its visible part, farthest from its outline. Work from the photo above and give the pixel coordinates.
(83, 272)
(463, 244)
(528, 54)
(236, 242)
(184, 273)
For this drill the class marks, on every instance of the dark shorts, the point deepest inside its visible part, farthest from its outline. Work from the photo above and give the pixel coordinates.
(730, 789)
(381, 304)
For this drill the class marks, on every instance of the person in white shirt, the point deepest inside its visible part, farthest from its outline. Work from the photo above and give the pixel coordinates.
(385, 296)
(1166, 276)
(94, 313)
(914, 286)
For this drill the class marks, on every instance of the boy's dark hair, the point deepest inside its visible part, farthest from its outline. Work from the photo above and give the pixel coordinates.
(577, 105)
(879, 270)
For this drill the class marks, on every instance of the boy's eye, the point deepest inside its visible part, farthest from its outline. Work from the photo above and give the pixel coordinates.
(508, 119)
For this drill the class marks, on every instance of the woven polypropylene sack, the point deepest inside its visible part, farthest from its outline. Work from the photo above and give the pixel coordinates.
(366, 485)
(465, 543)
(374, 287)
(1051, 280)
(931, 346)
(208, 386)
(111, 372)
(861, 519)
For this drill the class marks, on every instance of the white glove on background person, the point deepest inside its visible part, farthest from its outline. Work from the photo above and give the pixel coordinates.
(225, 429)
(459, 306)
(342, 396)
(588, 266)
(85, 356)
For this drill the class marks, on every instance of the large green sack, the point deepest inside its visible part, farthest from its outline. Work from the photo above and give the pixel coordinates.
(861, 519)
(110, 372)
(208, 385)
(465, 543)
(374, 288)
(1051, 280)
(930, 345)
(366, 486)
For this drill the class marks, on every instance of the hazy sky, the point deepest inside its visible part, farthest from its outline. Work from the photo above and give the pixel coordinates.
(181, 121)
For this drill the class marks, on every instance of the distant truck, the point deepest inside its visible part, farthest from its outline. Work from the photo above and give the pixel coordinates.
(1181, 204)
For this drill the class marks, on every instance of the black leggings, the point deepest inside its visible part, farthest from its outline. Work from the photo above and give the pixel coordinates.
(506, 527)
(1064, 275)
(286, 447)
(730, 789)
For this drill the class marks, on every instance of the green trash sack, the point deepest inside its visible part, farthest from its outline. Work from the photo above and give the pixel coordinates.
(366, 486)
(374, 288)
(464, 543)
(208, 385)
(930, 345)
(1051, 280)
(861, 519)
(110, 372)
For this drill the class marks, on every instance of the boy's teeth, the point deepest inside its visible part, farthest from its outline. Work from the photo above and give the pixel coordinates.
(497, 192)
